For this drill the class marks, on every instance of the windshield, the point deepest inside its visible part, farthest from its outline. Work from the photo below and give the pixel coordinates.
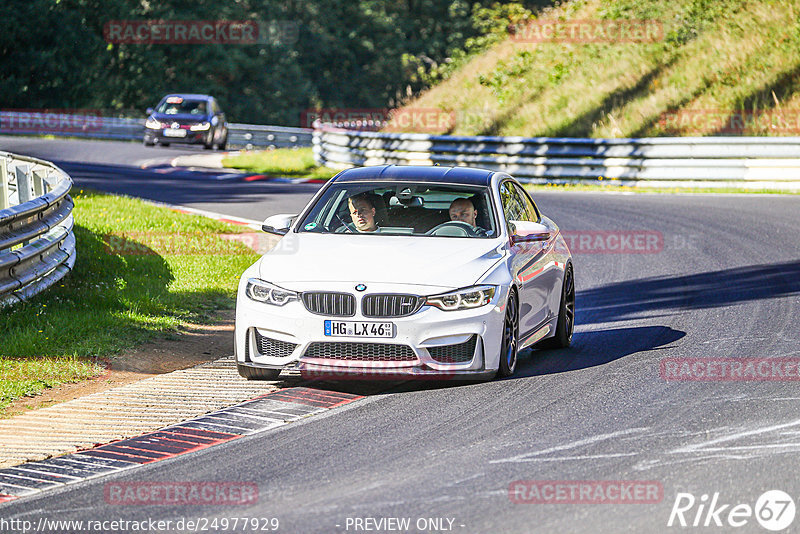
(182, 106)
(403, 209)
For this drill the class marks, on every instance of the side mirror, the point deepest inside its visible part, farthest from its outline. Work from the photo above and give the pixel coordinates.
(149, 111)
(278, 224)
(526, 232)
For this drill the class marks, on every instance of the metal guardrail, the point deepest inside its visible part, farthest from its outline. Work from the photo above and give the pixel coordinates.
(743, 162)
(37, 244)
(246, 136)
(251, 136)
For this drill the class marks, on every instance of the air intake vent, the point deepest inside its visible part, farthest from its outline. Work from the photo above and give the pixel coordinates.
(369, 352)
(461, 353)
(390, 305)
(331, 304)
(273, 347)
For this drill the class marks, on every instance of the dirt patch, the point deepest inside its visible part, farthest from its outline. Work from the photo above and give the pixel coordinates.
(195, 345)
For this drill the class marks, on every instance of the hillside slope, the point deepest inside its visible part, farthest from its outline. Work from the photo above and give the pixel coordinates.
(720, 67)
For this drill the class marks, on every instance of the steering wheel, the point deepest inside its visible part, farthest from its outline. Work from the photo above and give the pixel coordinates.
(453, 229)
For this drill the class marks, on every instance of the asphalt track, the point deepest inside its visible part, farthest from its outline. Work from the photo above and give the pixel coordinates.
(725, 283)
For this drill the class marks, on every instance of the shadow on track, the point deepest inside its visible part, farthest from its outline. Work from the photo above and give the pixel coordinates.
(599, 347)
(641, 298)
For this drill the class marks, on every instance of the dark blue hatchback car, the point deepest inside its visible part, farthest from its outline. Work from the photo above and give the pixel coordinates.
(187, 118)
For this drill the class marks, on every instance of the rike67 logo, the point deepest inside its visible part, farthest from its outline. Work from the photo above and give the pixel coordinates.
(774, 510)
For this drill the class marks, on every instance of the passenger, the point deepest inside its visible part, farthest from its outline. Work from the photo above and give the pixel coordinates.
(362, 211)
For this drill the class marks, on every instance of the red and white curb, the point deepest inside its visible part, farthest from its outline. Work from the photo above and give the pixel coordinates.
(262, 413)
(230, 219)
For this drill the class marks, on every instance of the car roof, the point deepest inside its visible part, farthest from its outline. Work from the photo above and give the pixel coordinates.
(417, 173)
(189, 96)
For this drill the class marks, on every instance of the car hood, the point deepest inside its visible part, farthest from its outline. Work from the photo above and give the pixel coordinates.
(447, 263)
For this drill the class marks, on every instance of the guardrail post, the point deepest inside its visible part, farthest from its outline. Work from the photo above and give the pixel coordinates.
(38, 184)
(23, 184)
(3, 184)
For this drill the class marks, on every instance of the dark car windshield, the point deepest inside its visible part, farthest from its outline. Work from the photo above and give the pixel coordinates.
(419, 209)
(182, 106)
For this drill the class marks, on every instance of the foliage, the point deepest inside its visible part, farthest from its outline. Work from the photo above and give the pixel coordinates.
(359, 54)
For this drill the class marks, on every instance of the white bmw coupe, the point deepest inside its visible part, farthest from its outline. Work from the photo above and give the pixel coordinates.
(404, 271)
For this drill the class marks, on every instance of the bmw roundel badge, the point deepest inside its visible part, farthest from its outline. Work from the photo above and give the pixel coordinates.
(361, 287)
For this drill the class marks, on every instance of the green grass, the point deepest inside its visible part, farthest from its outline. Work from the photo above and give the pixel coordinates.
(293, 162)
(718, 60)
(142, 272)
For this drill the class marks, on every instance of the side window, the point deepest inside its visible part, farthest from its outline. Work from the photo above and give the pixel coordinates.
(513, 207)
(530, 207)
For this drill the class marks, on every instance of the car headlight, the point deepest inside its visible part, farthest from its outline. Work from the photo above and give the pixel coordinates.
(463, 299)
(202, 126)
(152, 124)
(262, 291)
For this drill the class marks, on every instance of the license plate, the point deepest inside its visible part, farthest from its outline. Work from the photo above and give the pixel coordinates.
(358, 329)
(174, 132)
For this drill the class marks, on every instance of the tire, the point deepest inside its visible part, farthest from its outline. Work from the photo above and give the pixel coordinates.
(224, 144)
(509, 346)
(208, 144)
(566, 315)
(257, 373)
(145, 142)
(164, 144)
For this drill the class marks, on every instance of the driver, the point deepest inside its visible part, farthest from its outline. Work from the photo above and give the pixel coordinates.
(463, 210)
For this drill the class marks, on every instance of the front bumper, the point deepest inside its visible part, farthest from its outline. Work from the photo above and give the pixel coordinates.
(430, 343)
(192, 138)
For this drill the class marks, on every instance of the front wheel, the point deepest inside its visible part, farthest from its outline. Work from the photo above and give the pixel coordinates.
(566, 315)
(509, 347)
(257, 373)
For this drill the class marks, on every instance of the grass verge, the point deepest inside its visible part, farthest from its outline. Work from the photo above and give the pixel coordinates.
(142, 271)
(293, 162)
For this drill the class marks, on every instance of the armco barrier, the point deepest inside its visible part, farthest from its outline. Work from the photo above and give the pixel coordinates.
(742, 162)
(37, 245)
(247, 136)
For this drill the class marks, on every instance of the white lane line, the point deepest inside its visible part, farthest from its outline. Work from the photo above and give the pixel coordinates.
(530, 456)
(580, 457)
(703, 445)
